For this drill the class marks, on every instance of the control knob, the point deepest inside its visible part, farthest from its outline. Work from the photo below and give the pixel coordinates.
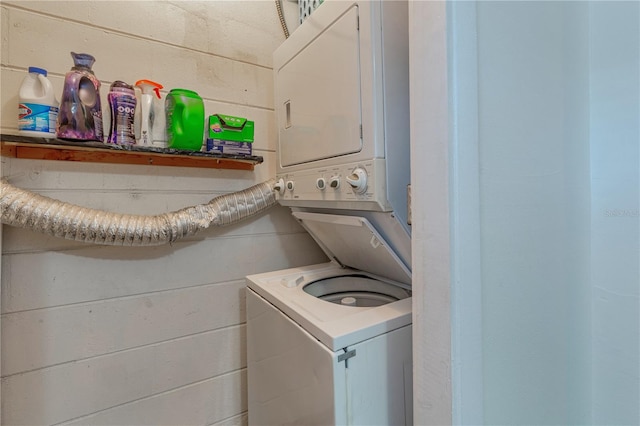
(358, 180)
(334, 182)
(321, 184)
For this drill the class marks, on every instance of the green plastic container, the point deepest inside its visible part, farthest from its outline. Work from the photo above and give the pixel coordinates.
(184, 110)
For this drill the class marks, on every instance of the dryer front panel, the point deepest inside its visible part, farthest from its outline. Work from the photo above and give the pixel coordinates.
(318, 99)
(341, 98)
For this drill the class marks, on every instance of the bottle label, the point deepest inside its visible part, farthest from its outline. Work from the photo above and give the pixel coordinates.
(122, 115)
(37, 117)
(97, 120)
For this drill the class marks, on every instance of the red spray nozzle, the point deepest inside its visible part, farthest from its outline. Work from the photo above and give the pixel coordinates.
(147, 86)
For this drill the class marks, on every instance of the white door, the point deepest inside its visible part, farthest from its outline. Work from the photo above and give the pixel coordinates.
(318, 95)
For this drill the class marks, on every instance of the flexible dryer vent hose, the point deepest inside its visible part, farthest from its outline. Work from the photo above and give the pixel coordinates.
(25, 209)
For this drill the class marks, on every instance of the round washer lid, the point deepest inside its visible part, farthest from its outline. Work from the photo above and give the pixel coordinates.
(353, 241)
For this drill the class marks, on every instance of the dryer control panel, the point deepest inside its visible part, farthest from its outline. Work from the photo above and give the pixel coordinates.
(358, 186)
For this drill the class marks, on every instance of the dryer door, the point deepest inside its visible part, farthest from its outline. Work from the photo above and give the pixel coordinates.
(318, 95)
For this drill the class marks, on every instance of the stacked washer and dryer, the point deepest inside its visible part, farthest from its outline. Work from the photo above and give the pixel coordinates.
(330, 344)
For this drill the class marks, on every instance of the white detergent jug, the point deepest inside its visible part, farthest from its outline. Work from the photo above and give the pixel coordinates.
(38, 107)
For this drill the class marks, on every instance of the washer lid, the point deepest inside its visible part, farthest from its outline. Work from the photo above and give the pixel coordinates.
(353, 241)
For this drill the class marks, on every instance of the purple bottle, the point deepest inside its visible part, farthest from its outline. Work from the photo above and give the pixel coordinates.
(80, 114)
(122, 104)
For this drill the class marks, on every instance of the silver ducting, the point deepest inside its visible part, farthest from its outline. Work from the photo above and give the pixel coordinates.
(26, 209)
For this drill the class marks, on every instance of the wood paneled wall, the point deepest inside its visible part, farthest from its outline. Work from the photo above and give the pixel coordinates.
(112, 335)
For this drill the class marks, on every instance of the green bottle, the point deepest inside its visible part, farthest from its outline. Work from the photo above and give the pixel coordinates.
(185, 119)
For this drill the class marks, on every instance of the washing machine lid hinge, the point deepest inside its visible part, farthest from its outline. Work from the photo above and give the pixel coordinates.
(342, 265)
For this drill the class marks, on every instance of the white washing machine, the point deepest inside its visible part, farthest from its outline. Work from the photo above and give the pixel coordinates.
(330, 344)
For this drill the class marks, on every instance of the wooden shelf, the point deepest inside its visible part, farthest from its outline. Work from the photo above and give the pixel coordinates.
(96, 152)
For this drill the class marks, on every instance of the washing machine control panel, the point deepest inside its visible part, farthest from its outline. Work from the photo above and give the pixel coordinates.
(360, 186)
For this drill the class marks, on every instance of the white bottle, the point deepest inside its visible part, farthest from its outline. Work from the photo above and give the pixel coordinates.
(38, 107)
(146, 112)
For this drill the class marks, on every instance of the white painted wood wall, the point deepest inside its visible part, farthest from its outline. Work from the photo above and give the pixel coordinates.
(107, 335)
